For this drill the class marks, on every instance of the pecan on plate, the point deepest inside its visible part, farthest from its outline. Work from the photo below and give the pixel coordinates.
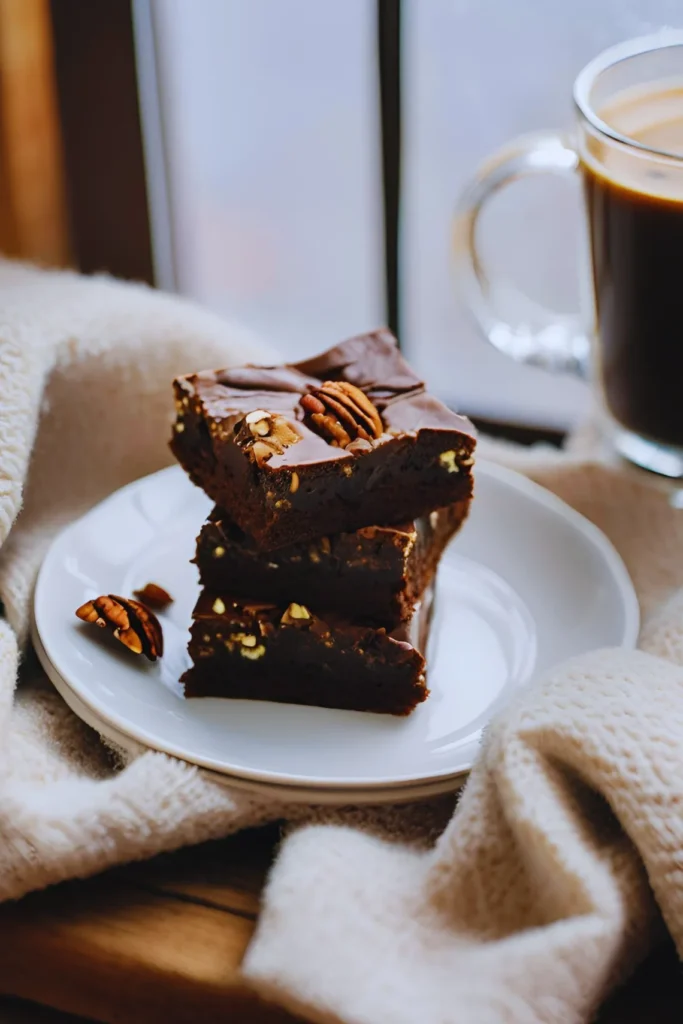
(341, 413)
(134, 625)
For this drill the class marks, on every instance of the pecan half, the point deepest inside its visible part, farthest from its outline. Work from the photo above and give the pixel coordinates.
(104, 611)
(264, 434)
(135, 626)
(145, 624)
(341, 413)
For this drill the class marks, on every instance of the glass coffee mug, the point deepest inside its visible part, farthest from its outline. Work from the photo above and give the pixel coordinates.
(628, 149)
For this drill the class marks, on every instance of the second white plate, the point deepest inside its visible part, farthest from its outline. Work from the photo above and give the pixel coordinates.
(526, 584)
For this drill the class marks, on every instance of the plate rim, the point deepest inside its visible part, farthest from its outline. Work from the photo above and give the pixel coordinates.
(517, 480)
(508, 476)
(282, 792)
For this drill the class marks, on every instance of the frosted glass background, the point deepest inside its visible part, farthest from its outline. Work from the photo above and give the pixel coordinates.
(270, 116)
(477, 73)
(271, 125)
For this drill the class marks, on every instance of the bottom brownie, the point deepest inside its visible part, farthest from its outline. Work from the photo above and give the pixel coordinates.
(285, 653)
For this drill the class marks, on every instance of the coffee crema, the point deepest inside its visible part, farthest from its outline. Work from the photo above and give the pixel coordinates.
(635, 222)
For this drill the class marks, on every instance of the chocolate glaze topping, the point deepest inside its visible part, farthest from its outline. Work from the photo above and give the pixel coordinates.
(371, 362)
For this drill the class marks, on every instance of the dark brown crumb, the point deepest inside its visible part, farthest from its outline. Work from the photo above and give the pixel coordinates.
(154, 596)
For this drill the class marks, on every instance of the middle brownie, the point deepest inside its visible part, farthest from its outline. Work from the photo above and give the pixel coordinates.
(375, 574)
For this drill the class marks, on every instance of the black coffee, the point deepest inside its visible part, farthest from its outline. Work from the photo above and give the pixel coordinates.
(636, 234)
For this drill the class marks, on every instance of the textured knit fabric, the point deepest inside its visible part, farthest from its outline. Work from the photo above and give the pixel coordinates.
(526, 902)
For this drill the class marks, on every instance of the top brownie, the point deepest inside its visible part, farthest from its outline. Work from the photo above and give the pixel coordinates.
(345, 440)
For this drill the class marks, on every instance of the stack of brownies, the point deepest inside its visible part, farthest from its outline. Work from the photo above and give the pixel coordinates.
(338, 482)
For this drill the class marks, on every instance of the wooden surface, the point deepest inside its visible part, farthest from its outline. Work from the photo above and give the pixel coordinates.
(33, 220)
(163, 941)
(160, 941)
(19, 1011)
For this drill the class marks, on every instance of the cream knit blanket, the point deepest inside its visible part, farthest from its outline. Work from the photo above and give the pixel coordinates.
(546, 884)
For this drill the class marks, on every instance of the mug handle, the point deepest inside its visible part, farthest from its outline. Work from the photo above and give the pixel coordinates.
(559, 342)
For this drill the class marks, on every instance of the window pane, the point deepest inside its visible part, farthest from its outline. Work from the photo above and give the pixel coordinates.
(271, 126)
(476, 75)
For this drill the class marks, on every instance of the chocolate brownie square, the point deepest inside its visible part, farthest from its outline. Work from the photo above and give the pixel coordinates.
(286, 653)
(376, 574)
(328, 445)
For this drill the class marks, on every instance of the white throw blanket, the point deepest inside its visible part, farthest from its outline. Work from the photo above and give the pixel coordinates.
(541, 892)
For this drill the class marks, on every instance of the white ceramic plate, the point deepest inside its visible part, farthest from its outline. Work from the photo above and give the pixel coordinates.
(527, 583)
(272, 791)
